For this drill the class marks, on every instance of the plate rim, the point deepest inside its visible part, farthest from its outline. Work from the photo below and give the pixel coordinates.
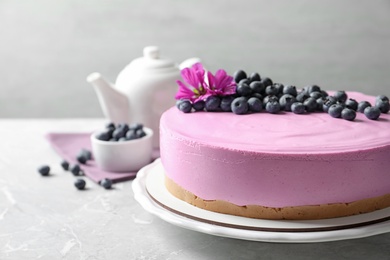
(175, 217)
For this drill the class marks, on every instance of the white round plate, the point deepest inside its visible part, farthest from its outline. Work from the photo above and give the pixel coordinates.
(150, 192)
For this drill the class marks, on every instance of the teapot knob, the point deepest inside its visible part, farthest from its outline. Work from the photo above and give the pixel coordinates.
(152, 52)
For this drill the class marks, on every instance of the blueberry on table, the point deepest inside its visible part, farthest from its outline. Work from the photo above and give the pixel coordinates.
(106, 183)
(80, 184)
(240, 106)
(255, 105)
(362, 105)
(212, 103)
(298, 108)
(44, 170)
(65, 165)
(86, 153)
(226, 103)
(185, 106)
(199, 105)
(239, 75)
(243, 89)
(340, 95)
(75, 169)
(335, 110)
(348, 114)
(81, 158)
(272, 107)
(384, 106)
(372, 113)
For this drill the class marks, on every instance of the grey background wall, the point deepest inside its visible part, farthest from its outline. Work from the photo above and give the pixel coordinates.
(47, 48)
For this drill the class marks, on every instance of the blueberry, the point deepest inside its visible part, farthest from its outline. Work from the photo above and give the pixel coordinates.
(212, 103)
(244, 81)
(348, 114)
(286, 101)
(384, 106)
(257, 95)
(372, 113)
(320, 104)
(254, 77)
(255, 104)
(382, 97)
(267, 82)
(362, 105)
(324, 93)
(199, 105)
(65, 165)
(44, 170)
(104, 136)
(226, 103)
(310, 104)
(81, 158)
(328, 102)
(352, 104)
(267, 99)
(341, 96)
(75, 170)
(118, 133)
(86, 153)
(136, 126)
(335, 110)
(243, 90)
(79, 184)
(122, 139)
(291, 90)
(124, 127)
(257, 87)
(272, 90)
(106, 183)
(131, 135)
(185, 106)
(302, 96)
(239, 106)
(272, 107)
(298, 108)
(111, 126)
(140, 133)
(239, 75)
(316, 95)
(313, 88)
(279, 88)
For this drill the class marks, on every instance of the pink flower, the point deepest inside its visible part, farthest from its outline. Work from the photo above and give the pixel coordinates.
(221, 84)
(197, 88)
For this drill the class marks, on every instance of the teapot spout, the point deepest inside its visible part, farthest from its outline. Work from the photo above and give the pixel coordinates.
(114, 104)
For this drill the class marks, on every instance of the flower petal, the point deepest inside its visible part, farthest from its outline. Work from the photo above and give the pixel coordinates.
(184, 92)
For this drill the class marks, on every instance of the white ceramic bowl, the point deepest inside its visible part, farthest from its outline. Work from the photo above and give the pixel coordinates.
(123, 156)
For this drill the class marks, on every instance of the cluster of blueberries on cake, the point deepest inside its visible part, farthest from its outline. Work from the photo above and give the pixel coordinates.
(255, 94)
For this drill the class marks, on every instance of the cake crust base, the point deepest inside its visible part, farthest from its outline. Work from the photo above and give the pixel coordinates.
(323, 211)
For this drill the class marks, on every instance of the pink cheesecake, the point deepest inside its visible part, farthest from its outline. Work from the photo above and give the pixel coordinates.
(278, 166)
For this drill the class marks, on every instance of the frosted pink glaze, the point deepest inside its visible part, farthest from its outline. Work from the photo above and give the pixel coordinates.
(277, 160)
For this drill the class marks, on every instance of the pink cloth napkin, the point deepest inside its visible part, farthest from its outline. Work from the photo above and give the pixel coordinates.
(68, 145)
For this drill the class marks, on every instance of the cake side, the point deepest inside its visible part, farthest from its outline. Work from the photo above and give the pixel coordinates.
(309, 212)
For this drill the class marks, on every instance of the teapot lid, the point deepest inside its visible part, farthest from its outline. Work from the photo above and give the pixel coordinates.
(151, 60)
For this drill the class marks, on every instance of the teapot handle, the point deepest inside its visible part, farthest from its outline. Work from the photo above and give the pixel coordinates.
(188, 63)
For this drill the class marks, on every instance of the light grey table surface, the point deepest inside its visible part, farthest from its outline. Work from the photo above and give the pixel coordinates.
(47, 218)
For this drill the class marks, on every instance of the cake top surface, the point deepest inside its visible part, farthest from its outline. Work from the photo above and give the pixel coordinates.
(285, 132)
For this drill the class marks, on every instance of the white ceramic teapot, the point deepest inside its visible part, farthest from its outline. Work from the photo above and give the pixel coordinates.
(143, 90)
